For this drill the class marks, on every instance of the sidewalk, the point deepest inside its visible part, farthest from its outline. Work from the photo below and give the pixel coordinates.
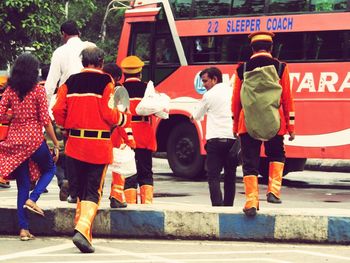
(192, 222)
(179, 220)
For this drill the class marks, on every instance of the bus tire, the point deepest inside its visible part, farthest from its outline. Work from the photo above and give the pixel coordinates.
(183, 152)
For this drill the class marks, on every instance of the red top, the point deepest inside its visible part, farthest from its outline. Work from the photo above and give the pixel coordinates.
(25, 134)
(85, 102)
(142, 128)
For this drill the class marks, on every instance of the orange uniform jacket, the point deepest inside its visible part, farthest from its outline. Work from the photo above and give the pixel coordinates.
(84, 106)
(286, 109)
(141, 125)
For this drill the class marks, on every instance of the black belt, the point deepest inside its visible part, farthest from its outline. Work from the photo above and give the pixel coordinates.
(139, 118)
(220, 140)
(97, 134)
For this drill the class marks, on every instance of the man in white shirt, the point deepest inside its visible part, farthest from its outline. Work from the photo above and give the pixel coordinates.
(216, 104)
(65, 61)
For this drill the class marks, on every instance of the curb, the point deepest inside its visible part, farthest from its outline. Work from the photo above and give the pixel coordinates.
(328, 165)
(209, 224)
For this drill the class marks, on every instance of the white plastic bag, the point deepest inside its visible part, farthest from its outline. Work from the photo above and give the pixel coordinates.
(124, 161)
(154, 103)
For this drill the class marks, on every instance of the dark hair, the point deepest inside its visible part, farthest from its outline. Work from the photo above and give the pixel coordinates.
(132, 75)
(113, 70)
(261, 45)
(45, 71)
(212, 72)
(92, 56)
(70, 27)
(24, 74)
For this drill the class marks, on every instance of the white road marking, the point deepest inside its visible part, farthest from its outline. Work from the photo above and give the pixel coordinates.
(185, 260)
(317, 254)
(37, 252)
(144, 256)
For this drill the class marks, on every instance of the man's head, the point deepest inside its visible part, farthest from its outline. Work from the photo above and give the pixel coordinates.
(113, 70)
(261, 41)
(45, 71)
(132, 66)
(69, 29)
(210, 77)
(92, 57)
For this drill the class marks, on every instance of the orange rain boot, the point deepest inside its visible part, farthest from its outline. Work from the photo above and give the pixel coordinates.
(77, 212)
(117, 196)
(275, 182)
(146, 193)
(252, 195)
(83, 236)
(131, 195)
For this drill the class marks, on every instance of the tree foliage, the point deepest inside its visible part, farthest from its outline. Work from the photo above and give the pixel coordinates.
(35, 25)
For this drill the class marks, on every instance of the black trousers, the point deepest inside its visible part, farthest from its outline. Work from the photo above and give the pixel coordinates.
(250, 147)
(87, 179)
(144, 176)
(218, 158)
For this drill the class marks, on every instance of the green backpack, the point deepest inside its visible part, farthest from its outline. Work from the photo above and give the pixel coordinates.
(260, 98)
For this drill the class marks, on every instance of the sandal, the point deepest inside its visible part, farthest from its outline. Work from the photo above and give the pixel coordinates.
(32, 206)
(25, 235)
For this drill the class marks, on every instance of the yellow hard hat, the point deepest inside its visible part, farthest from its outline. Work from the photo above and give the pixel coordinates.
(3, 81)
(261, 36)
(132, 64)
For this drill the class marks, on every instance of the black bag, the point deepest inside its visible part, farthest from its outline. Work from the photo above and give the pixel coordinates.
(235, 153)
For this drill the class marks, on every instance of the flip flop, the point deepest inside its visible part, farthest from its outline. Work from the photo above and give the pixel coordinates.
(32, 206)
(24, 235)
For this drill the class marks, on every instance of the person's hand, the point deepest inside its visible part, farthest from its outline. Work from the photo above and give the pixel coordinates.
(291, 136)
(131, 143)
(191, 119)
(55, 153)
(235, 134)
(9, 116)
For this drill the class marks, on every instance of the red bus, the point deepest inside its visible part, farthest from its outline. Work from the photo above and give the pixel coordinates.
(179, 38)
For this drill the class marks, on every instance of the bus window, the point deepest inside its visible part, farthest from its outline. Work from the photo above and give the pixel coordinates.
(288, 46)
(181, 8)
(205, 8)
(206, 49)
(140, 44)
(245, 7)
(328, 5)
(143, 48)
(283, 6)
(326, 45)
(165, 51)
(216, 49)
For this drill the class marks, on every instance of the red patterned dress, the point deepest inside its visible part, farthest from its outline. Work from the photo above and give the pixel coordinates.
(26, 130)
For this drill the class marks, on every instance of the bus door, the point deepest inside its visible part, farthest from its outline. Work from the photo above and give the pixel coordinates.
(153, 44)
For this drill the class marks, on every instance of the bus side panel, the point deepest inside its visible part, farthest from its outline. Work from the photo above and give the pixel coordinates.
(322, 104)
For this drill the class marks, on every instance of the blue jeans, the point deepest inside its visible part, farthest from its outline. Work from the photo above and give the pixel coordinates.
(42, 156)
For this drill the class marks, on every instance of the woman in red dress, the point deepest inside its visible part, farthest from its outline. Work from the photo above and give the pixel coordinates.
(24, 154)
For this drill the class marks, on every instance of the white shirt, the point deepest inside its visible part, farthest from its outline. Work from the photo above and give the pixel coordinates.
(65, 61)
(216, 103)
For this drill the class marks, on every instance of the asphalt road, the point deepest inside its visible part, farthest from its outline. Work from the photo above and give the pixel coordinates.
(314, 189)
(55, 250)
(305, 189)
